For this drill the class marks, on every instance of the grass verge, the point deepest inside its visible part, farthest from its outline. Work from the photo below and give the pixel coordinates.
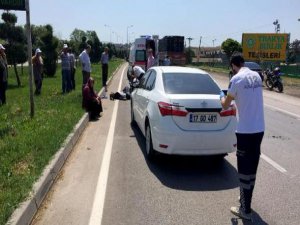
(27, 145)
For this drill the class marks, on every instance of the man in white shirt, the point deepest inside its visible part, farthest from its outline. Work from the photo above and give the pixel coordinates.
(138, 72)
(246, 89)
(86, 64)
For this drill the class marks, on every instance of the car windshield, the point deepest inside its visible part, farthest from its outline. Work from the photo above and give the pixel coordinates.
(189, 83)
(252, 65)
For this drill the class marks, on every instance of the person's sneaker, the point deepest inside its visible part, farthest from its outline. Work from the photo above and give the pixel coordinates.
(240, 213)
(104, 96)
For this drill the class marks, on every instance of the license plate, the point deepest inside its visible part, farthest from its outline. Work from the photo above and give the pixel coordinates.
(203, 118)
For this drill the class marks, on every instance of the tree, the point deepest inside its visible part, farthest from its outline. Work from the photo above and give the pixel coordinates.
(16, 42)
(230, 46)
(49, 48)
(76, 39)
(293, 51)
(42, 37)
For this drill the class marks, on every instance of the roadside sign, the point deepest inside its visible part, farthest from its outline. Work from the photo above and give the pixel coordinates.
(12, 4)
(265, 47)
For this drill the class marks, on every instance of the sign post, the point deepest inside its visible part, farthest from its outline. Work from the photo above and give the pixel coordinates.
(29, 50)
(12, 4)
(266, 46)
(23, 5)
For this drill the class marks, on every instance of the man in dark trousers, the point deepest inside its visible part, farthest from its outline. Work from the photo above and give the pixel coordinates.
(104, 61)
(246, 89)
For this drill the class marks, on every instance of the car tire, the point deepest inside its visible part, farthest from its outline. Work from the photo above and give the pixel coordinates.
(150, 152)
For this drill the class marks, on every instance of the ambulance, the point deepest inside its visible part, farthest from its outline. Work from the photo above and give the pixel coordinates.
(138, 50)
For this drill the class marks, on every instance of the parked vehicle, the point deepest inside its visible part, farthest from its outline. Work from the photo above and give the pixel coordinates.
(138, 50)
(172, 46)
(274, 80)
(252, 66)
(178, 110)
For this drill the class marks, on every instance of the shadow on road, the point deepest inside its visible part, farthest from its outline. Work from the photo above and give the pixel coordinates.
(190, 173)
(256, 219)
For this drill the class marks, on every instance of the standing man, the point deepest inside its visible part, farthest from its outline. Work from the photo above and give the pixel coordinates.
(104, 61)
(73, 67)
(150, 59)
(246, 89)
(65, 70)
(85, 64)
(3, 75)
(37, 63)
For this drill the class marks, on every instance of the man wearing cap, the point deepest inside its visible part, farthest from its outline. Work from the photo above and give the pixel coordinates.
(65, 70)
(3, 75)
(37, 63)
(85, 64)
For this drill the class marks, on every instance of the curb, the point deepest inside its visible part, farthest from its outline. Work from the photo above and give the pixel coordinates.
(24, 214)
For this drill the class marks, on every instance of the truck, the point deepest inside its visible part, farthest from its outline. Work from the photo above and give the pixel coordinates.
(172, 46)
(138, 50)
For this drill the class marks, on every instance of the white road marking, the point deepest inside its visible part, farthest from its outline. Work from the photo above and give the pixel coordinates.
(273, 163)
(283, 111)
(98, 205)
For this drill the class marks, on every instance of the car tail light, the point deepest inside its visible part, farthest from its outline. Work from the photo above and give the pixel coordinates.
(231, 111)
(167, 109)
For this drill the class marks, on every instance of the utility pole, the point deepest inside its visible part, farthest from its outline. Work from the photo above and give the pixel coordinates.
(189, 55)
(199, 49)
(213, 41)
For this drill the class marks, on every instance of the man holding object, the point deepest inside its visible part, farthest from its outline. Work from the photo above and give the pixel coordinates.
(246, 89)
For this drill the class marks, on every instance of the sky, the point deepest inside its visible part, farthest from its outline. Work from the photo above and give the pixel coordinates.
(214, 21)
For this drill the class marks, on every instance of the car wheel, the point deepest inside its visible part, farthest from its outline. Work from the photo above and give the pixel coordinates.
(150, 152)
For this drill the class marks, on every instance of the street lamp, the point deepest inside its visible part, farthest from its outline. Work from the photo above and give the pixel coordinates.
(213, 41)
(127, 32)
(127, 39)
(109, 27)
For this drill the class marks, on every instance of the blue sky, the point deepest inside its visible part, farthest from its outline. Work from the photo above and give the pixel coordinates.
(213, 20)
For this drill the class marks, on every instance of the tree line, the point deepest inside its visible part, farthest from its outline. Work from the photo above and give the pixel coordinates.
(13, 37)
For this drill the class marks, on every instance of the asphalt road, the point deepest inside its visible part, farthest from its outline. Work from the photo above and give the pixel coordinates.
(107, 179)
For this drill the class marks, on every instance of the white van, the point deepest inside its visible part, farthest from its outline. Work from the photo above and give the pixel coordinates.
(138, 50)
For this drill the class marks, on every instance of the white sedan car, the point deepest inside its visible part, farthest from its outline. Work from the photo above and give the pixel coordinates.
(178, 110)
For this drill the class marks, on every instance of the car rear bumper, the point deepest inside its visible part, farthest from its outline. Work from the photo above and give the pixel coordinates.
(181, 142)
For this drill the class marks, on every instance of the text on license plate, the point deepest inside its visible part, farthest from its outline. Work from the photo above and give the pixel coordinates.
(203, 118)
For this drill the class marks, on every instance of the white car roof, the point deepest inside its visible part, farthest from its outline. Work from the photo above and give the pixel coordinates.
(179, 69)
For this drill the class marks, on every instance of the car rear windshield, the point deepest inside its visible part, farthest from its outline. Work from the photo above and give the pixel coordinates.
(189, 83)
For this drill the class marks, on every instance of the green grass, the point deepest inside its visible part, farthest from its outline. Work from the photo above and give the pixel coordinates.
(27, 145)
